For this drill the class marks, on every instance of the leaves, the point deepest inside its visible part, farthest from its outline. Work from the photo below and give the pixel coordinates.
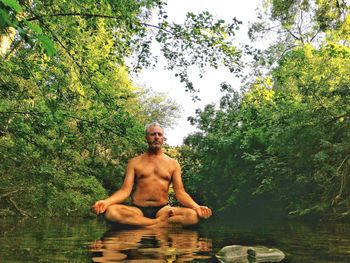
(47, 44)
(280, 144)
(200, 40)
(70, 116)
(13, 4)
(5, 19)
(34, 27)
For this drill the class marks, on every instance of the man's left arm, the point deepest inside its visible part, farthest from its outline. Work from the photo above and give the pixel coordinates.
(184, 198)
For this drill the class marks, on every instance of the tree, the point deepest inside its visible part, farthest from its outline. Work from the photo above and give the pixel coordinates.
(157, 107)
(294, 23)
(283, 144)
(70, 116)
(200, 40)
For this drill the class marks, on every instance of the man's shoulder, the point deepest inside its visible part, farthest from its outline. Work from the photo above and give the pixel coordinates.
(145, 157)
(137, 158)
(170, 160)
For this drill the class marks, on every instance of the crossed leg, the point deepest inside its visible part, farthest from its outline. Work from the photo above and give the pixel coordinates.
(179, 215)
(129, 215)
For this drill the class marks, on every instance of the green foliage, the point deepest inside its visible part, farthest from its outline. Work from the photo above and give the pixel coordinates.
(200, 40)
(287, 24)
(14, 5)
(70, 117)
(283, 144)
(157, 107)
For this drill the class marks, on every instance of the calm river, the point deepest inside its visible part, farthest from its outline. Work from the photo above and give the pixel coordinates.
(90, 240)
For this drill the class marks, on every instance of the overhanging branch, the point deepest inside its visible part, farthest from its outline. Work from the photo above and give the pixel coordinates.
(89, 15)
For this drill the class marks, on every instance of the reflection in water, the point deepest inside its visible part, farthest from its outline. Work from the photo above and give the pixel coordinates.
(69, 240)
(151, 245)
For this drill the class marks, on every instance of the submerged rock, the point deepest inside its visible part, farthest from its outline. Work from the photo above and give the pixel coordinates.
(265, 254)
(233, 254)
(245, 254)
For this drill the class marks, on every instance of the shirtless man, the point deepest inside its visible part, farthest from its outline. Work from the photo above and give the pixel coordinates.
(152, 173)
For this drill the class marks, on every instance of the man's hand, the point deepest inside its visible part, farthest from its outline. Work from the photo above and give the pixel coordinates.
(203, 211)
(99, 207)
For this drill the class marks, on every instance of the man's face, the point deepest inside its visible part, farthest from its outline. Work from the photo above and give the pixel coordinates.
(155, 137)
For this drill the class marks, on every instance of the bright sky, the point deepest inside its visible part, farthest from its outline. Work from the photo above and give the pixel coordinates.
(165, 81)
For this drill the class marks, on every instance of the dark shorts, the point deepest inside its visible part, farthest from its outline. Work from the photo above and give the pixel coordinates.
(149, 211)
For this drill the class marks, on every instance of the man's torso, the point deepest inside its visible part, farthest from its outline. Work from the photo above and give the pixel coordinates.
(153, 176)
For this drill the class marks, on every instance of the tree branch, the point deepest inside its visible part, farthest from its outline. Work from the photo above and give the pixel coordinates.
(293, 35)
(342, 181)
(7, 196)
(17, 112)
(315, 35)
(89, 15)
(22, 212)
(10, 192)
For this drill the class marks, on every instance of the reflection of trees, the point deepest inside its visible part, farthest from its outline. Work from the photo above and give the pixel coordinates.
(151, 245)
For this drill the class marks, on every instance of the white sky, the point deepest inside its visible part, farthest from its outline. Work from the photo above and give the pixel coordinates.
(209, 86)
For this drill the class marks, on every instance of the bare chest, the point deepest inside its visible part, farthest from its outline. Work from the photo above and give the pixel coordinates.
(153, 170)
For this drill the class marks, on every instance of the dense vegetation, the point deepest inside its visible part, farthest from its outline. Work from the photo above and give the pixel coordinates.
(70, 116)
(283, 144)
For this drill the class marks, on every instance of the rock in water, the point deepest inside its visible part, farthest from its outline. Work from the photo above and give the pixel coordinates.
(265, 254)
(233, 254)
(245, 254)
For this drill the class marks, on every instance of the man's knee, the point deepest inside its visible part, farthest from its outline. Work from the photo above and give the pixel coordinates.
(120, 213)
(115, 213)
(191, 217)
(111, 213)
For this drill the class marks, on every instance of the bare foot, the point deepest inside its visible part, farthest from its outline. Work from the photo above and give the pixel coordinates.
(163, 220)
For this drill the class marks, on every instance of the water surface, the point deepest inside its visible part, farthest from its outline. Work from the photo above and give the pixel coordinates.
(91, 240)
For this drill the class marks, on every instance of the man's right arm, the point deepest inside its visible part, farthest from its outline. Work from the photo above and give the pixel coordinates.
(119, 196)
